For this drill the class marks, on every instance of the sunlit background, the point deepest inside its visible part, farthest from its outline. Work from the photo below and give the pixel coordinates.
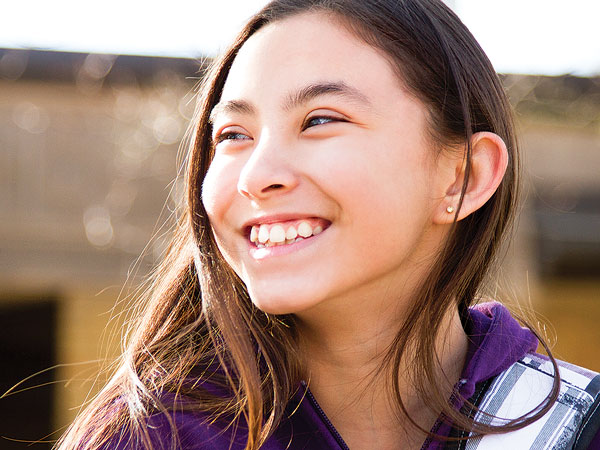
(549, 37)
(95, 99)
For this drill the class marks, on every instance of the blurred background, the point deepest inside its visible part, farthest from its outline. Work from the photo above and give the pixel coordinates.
(94, 105)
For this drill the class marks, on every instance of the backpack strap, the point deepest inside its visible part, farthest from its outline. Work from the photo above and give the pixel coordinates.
(571, 423)
(590, 426)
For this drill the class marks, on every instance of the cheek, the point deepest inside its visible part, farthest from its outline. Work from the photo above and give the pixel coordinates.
(218, 190)
(387, 189)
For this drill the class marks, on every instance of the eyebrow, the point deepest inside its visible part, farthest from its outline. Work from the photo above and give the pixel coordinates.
(295, 99)
(339, 88)
(231, 106)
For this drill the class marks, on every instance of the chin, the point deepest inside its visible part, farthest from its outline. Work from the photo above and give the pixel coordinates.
(280, 304)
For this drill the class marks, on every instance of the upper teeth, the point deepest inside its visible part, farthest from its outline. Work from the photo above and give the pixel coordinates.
(291, 233)
(282, 233)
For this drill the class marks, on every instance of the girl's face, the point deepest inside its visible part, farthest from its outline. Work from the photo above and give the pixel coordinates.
(323, 183)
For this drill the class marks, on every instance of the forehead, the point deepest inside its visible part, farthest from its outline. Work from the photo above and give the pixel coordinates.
(306, 49)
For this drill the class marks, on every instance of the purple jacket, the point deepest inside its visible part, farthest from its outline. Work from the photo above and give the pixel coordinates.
(496, 342)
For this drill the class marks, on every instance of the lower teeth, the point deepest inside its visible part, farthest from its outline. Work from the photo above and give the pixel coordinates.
(286, 242)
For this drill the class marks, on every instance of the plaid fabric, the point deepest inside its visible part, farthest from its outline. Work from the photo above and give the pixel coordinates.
(521, 388)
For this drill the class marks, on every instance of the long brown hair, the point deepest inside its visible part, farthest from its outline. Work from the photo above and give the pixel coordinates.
(198, 323)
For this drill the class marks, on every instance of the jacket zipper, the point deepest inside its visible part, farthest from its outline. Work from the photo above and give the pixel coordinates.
(324, 417)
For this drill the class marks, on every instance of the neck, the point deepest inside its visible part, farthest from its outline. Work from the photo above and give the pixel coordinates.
(344, 357)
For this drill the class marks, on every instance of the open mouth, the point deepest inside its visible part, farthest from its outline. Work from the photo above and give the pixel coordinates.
(285, 233)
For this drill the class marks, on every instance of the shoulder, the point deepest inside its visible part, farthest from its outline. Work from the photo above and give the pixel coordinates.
(177, 428)
(573, 420)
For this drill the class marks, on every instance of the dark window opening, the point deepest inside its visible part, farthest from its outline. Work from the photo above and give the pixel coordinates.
(568, 233)
(27, 340)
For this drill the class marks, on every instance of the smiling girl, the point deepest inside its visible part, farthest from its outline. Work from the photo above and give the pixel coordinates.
(353, 172)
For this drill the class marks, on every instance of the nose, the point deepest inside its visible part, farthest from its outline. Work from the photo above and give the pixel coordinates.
(267, 172)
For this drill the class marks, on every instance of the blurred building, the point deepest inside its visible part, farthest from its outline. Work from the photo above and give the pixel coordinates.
(88, 188)
(88, 175)
(558, 237)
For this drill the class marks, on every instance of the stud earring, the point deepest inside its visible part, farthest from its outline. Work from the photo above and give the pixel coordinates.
(450, 209)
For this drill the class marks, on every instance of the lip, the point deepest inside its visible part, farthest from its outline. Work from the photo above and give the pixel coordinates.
(280, 250)
(274, 218)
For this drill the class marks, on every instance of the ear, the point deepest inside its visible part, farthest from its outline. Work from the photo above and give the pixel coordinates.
(489, 159)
